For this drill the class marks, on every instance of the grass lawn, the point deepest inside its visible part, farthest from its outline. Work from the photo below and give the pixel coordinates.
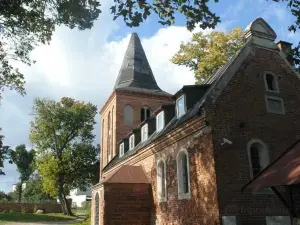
(32, 217)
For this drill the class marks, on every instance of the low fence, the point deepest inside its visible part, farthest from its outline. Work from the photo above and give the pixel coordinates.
(30, 208)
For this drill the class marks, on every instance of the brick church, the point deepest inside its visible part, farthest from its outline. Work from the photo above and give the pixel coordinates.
(184, 158)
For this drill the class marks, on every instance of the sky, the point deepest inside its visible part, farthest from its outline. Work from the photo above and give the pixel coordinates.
(84, 64)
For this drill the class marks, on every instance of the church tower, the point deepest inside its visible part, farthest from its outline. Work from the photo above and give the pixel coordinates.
(135, 97)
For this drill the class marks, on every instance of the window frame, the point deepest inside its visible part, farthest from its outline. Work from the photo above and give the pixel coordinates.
(266, 149)
(161, 114)
(121, 150)
(159, 198)
(142, 132)
(131, 140)
(267, 97)
(275, 82)
(184, 105)
(182, 195)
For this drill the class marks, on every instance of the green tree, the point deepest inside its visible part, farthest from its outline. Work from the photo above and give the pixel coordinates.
(24, 162)
(26, 23)
(63, 135)
(3, 153)
(34, 191)
(205, 54)
(4, 197)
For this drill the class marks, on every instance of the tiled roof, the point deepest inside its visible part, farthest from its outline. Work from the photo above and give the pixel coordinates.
(285, 170)
(127, 174)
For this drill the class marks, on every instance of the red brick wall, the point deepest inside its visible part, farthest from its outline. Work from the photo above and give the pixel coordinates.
(202, 208)
(30, 208)
(243, 100)
(136, 101)
(127, 204)
(115, 106)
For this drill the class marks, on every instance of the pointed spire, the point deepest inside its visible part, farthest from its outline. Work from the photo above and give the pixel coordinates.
(135, 72)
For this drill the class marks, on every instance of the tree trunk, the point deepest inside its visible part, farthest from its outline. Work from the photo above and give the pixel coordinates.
(20, 192)
(68, 207)
(62, 198)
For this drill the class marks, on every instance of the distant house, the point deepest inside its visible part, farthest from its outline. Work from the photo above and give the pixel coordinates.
(78, 196)
(15, 186)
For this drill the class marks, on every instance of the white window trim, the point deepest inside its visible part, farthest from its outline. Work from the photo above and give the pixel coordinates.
(275, 80)
(159, 198)
(131, 140)
(184, 105)
(142, 132)
(163, 118)
(249, 144)
(121, 150)
(275, 98)
(183, 195)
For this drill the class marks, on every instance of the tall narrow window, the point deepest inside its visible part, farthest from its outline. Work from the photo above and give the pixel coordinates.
(128, 115)
(255, 160)
(145, 113)
(258, 157)
(183, 175)
(161, 181)
(131, 142)
(160, 121)
(112, 133)
(109, 136)
(271, 82)
(142, 114)
(180, 106)
(121, 150)
(144, 132)
(102, 136)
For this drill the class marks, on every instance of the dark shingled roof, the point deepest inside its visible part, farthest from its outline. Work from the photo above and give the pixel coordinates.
(135, 73)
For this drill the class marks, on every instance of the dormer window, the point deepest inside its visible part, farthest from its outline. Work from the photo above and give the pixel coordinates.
(160, 121)
(144, 132)
(131, 142)
(121, 150)
(271, 82)
(180, 106)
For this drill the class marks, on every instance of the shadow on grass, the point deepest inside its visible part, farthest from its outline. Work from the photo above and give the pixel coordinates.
(32, 217)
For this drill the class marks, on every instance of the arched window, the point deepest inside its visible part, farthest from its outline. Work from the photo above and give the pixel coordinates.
(128, 115)
(183, 175)
(258, 156)
(271, 82)
(96, 210)
(161, 181)
(112, 132)
(145, 113)
(109, 135)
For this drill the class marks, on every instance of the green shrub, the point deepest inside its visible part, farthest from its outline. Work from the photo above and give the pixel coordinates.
(4, 211)
(11, 211)
(23, 209)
